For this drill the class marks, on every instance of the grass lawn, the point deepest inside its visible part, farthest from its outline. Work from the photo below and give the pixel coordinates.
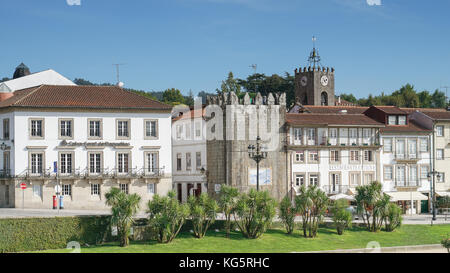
(275, 241)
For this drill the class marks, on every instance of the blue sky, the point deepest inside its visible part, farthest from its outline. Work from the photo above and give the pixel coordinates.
(193, 44)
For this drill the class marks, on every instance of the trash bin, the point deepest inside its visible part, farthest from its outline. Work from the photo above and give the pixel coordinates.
(61, 203)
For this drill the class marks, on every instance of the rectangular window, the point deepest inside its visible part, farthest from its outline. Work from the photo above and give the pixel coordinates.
(401, 120)
(355, 179)
(353, 136)
(412, 143)
(440, 154)
(424, 145)
(95, 189)
(152, 162)
(314, 180)
(65, 128)
(65, 163)
(368, 156)
(392, 120)
(354, 156)
(400, 149)
(300, 157)
(401, 175)
(413, 175)
(311, 136)
(198, 160)
(151, 188)
(123, 163)
(424, 170)
(37, 190)
(188, 162)
(387, 145)
(151, 129)
(95, 129)
(334, 156)
(123, 128)
(298, 136)
(333, 133)
(66, 189)
(368, 178)
(299, 180)
(179, 131)
(187, 131)
(6, 129)
(6, 163)
(124, 188)
(388, 172)
(313, 156)
(198, 129)
(37, 163)
(37, 128)
(440, 131)
(178, 162)
(95, 160)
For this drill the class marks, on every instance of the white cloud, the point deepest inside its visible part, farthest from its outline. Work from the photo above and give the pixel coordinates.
(374, 2)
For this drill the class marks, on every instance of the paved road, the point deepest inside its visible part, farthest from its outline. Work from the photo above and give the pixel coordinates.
(396, 249)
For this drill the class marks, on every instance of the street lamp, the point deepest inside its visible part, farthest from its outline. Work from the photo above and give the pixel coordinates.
(438, 176)
(257, 155)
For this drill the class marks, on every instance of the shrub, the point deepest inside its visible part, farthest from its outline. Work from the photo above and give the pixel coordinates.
(123, 208)
(311, 204)
(392, 217)
(227, 203)
(287, 214)
(254, 213)
(166, 216)
(203, 212)
(370, 204)
(32, 234)
(342, 218)
(446, 243)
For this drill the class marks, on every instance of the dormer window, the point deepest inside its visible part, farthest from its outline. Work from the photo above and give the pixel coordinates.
(397, 120)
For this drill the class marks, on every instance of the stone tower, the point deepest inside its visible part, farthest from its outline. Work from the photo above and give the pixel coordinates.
(21, 71)
(238, 122)
(314, 85)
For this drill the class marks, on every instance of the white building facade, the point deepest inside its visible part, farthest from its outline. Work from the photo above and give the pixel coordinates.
(189, 155)
(86, 140)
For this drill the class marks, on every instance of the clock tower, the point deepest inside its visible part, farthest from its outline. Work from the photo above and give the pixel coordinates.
(314, 85)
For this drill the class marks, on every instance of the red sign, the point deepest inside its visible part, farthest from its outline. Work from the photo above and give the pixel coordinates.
(23, 186)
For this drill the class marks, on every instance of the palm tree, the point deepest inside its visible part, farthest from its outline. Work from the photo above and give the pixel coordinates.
(123, 208)
(368, 199)
(227, 203)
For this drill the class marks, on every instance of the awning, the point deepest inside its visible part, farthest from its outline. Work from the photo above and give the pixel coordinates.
(443, 193)
(342, 196)
(406, 196)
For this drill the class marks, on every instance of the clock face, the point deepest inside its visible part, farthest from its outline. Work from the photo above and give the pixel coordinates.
(304, 81)
(324, 80)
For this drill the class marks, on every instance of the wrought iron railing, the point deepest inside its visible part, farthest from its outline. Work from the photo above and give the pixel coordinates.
(335, 189)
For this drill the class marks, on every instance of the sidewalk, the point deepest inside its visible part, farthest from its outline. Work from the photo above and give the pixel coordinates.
(396, 249)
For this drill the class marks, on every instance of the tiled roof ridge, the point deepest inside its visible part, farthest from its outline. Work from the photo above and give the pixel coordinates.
(26, 95)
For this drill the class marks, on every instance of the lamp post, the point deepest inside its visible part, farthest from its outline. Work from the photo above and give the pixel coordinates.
(434, 175)
(256, 153)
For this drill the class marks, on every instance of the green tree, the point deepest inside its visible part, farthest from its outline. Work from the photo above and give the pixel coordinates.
(230, 85)
(425, 99)
(173, 96)
(227, 202)
(342, 218)
(392, 215)
(312, 204)
(349, 97)
(368, 199)
(203, 211)
(287, 214)
(254, 213)
(123, 208)
(438, 99)
(166, 216)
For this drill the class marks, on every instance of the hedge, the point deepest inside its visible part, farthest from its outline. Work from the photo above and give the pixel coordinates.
(31, 234)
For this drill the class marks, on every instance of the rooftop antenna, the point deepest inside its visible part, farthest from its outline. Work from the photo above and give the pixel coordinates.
(118, 73)
(446, 89)
(314, 57)
(254, 67)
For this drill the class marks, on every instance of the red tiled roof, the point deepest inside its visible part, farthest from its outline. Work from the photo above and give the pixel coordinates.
(331, 119)
(411, 127)
(444, 115)
(394, 110)
(105, 97)
(335, 109)
(193, 114)
(423, 110)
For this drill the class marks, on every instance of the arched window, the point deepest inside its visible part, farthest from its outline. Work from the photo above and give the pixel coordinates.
(324, 99)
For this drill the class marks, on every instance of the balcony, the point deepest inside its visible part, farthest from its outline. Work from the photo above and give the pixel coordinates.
(407, 157)
(330, 189)
(408, 184)
(5, 173)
